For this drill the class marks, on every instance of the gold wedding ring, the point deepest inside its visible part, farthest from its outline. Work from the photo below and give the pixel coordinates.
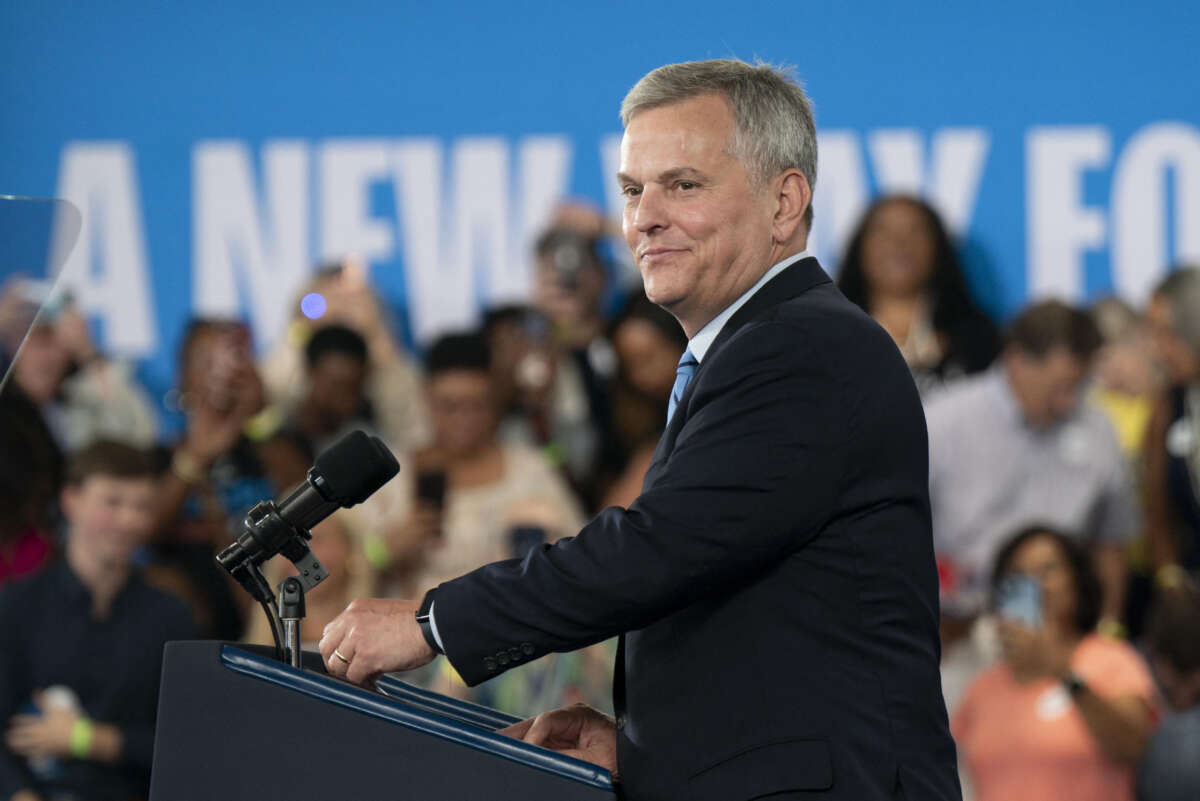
(338, 654)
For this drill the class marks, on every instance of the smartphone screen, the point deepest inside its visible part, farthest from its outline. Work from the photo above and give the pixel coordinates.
(431, 487)
(1019, 599)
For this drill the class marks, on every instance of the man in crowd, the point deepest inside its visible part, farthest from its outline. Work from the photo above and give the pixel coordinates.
(81, 643)
(1170, 769)
(774, 584)
(336, 368)
(570, 279)
(1016, 446)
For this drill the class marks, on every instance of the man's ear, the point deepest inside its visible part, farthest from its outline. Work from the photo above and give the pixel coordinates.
(68, 499)
(793, 196)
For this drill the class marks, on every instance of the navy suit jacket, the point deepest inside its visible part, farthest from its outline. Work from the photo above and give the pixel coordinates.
(774, 584)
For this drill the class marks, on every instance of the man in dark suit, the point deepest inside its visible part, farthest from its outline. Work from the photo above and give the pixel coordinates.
(774, 584)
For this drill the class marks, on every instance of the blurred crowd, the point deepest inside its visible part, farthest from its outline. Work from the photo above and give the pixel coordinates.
(1064, 451)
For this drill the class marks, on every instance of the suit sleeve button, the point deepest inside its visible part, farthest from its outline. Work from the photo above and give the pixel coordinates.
(515, 653)
(489, 664)
(527, 648)
(502, 657)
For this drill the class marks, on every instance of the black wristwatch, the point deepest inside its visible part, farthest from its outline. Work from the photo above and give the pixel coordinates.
(425, 622)
(1074, 684)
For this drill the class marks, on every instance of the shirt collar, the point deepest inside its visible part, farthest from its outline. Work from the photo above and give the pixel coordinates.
(72, 587)
(702, 341)
(1002, 394)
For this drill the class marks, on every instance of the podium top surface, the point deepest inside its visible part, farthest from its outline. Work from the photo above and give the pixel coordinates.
(473, 731)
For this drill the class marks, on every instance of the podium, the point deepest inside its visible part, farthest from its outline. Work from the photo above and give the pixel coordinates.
(237, 725)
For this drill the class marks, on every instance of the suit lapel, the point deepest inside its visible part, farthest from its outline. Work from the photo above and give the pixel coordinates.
(793, 281)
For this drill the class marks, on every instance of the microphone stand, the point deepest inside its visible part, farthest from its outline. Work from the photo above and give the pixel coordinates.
(344, 474)
(291, 612)
(264, 534)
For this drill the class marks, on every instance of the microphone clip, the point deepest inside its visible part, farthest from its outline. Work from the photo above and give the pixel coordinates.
(264, 534)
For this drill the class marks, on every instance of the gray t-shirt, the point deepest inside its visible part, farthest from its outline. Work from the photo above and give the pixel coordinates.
(991, 475)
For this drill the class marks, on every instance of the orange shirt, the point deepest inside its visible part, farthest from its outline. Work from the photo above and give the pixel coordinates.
(1028, 742)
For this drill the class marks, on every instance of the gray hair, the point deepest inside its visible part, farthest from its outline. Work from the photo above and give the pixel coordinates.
(774, 120)
(1116, 319)
(1181, 290)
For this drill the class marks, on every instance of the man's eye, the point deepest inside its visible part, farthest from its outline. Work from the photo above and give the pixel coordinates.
(686, 185)
(631, 191)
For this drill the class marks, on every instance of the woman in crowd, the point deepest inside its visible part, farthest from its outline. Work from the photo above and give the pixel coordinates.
(1065, 714)
(476, 499)
(901, 268)
(484, 481)
(82, 395)
(649, 343)
(1173, 439)
(219, 468)
(1124, 378)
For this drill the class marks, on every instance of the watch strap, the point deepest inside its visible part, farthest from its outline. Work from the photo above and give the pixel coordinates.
(1073, 683)
(424, 621)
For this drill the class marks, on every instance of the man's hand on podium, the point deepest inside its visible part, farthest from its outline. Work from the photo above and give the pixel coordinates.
(576, 731)
(374, 636)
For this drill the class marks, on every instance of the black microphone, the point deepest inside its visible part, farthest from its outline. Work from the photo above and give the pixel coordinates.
(345, 474)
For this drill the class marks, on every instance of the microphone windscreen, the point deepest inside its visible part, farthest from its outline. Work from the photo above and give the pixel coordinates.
(354, 467)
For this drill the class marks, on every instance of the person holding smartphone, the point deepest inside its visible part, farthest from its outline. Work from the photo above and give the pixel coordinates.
(81, 394)
(467, 483)
(1066, 713)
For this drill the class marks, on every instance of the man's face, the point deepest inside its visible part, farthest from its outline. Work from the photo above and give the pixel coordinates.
(1047, 388)
(337, 387)
(462, 411)
(699, 230)
(111, 516)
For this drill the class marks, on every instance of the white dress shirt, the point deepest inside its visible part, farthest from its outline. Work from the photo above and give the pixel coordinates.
(699, 344)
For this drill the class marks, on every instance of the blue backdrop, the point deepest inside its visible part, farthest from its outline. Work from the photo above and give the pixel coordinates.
(217, 152)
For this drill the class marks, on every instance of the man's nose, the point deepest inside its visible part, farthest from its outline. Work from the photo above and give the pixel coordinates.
(651, 211)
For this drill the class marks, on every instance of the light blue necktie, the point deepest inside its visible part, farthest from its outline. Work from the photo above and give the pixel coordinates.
(687, 366)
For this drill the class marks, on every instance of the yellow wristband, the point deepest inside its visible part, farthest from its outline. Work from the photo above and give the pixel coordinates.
(263, 425)
(82, 733)
(376, 551)
(1110, 627)
(1170, 576)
